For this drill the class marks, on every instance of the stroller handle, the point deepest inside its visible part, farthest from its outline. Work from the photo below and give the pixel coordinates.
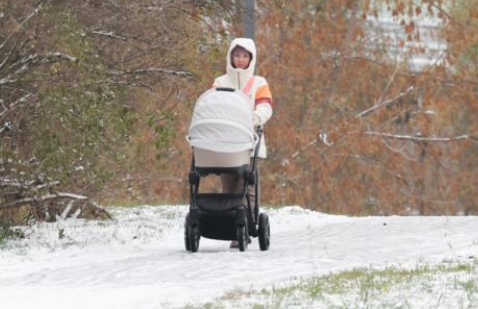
(226, 89)
(257, 144)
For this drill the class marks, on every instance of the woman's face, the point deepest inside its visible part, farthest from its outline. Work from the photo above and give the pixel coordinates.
(241, 58)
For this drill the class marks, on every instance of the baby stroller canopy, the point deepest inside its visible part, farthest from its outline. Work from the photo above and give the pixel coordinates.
(222, 122)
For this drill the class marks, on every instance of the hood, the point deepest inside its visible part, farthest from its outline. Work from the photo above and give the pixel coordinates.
(242, 74)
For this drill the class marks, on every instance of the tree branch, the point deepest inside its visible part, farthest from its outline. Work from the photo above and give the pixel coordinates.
(7, 57)
(7, 80)
(423, 139)
(27, 185)
(392, 78)
(35, 11)
(385, 103)
(30, 61)
(59, 195)
(186, 74)
(109, 34)
(365, 159)
(114, 83)
(6, 127)
(15, 104)
(54, 56)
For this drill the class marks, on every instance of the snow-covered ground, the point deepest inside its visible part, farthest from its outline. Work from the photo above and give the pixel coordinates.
(139, 261)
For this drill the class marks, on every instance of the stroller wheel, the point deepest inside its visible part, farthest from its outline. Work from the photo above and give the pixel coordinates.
(191, 236)
(264, 232)
(257, 188)
(242, 237)
(187, 233)
(194, 238)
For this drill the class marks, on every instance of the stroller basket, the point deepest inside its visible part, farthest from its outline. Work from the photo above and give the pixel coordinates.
(219, 202)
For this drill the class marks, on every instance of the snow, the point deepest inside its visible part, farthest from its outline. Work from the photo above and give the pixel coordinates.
(138, 260)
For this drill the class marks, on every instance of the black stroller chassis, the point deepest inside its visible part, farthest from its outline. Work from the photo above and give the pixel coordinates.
(226, 216)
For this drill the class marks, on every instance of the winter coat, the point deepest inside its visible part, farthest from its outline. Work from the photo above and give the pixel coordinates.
(255, 87)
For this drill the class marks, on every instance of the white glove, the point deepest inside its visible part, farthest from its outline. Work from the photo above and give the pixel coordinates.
(256, 120)
(263, 113)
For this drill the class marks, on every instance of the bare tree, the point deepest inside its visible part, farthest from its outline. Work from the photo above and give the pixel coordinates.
(76, 77)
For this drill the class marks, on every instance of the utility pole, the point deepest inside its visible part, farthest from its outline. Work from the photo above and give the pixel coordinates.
(248, 18)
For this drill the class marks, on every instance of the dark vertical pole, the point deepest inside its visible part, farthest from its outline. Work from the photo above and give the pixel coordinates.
(249, 19)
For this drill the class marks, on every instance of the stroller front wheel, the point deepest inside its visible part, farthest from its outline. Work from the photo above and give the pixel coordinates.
(187, 232)
(242, 237)
(264, 232)
(191, 235)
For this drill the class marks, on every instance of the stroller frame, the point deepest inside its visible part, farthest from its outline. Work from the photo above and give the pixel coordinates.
(226, 216)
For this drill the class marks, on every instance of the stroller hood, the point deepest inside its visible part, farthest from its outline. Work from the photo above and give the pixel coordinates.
(222, 122)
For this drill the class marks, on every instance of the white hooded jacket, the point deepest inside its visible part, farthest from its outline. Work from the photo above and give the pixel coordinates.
(258, 92)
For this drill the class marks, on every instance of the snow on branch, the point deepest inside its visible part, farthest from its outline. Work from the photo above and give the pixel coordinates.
(109, 34)
(6, 127)
(50, 57)
(384, 103)
(5, 182)
(186, 74)
(44, 198)
(165, 71)
(7, 80)
(297, 153)
(5, 60)
(29, 62)
(423, 139)
(323, 138)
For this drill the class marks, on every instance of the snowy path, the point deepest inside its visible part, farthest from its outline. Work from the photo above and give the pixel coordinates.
(139, 261)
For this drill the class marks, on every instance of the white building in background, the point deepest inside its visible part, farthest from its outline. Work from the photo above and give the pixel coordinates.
(423, 47)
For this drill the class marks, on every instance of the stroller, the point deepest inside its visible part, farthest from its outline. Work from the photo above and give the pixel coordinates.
(223, 138)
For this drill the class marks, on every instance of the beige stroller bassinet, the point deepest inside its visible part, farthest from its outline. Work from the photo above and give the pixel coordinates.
(221, 131)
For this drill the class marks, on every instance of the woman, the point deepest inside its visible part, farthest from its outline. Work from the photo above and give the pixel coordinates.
(241, 61)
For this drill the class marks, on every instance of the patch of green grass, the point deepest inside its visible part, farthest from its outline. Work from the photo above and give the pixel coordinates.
(61, 233)
(6, 232)
(392, 287)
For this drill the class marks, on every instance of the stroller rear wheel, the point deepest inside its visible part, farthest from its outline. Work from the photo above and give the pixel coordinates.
(191, 236)
(257, 193)
(187, 232)
(264, 232)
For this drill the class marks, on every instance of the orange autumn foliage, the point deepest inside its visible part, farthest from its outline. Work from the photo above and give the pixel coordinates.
(337, 96)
